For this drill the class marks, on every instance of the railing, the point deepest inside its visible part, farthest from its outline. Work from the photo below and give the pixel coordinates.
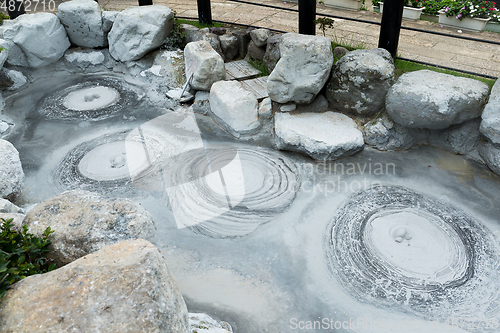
(389, 27)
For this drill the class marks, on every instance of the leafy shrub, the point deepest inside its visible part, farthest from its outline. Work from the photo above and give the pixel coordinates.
(433, 6)
(177, 38)
(3, 17)
(21, 254)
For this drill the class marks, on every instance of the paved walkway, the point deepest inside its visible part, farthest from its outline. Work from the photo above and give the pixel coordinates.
(467, 55)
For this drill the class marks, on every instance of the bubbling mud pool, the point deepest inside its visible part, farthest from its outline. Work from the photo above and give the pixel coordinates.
(260, 238)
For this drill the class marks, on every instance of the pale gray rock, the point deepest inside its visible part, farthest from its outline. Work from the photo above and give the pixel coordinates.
(86, 222)
(17, 77)
(41, 38)
(303, 69)
(203, 323)
(288, 107)
(188, 28)
(427, 99)
(266, 108)
(461, 139)
(201, 102)
(490, 126)
(139, 30)
(108, 18)
(206, 65)
(83, 23)
(124, 287)
(360, 81)
(491, 155)
(322, 136)
(260, 36)
(255, 52)
(206, 35)
(234, 108)
(272, 54)
(11, 171)
(229, 45)
(85, 58)
(384, 134)
(8, 207)
(16, 56)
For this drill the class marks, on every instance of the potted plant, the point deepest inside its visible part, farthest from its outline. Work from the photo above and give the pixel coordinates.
(411, 11)
(469, 15)
(432, 7)
(345, 4)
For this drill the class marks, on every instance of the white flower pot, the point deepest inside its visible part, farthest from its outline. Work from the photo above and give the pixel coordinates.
(492, 26)
(467, 23)
(344, 4)
(409, 13)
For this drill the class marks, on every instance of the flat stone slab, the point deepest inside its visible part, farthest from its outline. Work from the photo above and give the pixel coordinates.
(257, 86)
(240, 70)
(323, 136)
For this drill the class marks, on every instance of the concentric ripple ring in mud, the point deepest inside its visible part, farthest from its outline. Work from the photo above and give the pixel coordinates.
(391, 246)
(248, 188)
(108, 163)
(96, 98)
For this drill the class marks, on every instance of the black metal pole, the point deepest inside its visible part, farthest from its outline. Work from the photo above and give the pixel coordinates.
(145, 2)
(307, 15)
(204, 12)
(391, 25)
(18, 7)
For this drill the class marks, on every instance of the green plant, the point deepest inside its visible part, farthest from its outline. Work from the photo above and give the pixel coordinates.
(3, 17)
(403, 66)
(260, 65)
(177, 38)
(21, 254)
(433, 6)
(324, 23)
(200, 25)
(474, 9)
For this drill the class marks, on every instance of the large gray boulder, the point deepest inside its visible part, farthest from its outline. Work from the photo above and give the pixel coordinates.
(490, 126)
(360, 80)
(206, 65)
(125, 287)
(234, 108)
(323, 136)
(303, 69)
(40, 37)
(83, 22)
(11, 171)
(138, 30)
(427, 99)
(85, 222)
